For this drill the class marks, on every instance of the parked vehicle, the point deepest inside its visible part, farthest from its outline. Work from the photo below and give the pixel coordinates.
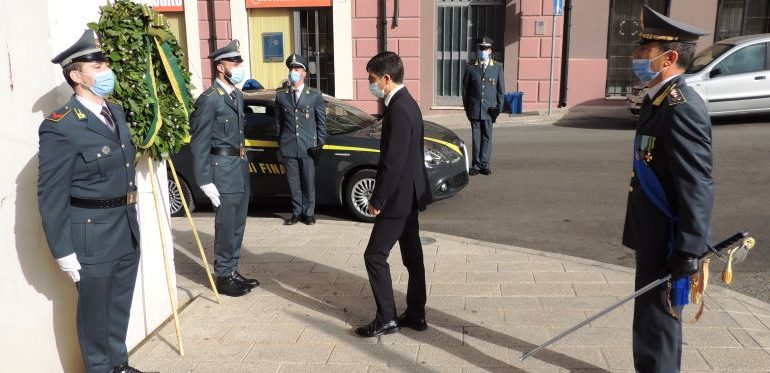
(732, 76)
(347, 167)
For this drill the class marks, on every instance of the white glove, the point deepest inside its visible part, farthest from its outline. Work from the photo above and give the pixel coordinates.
(211, 191)
(70, 265)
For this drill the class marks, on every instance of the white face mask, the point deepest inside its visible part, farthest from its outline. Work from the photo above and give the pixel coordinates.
(376, 91)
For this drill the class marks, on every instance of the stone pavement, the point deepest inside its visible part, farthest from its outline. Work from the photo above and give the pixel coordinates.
(487, 304)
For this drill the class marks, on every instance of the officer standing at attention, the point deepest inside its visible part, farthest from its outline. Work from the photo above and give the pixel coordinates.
(483, 89)
(87, 200)
(672, 190)
(220, 165)
(301, 121)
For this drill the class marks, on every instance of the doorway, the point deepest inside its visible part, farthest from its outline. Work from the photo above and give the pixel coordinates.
(314, 39)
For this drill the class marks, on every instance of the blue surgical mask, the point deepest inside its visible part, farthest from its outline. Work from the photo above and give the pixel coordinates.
(376, 91)
(483, 55)
(643, 69)
(294, 77)
(236, 75)
(104, 83)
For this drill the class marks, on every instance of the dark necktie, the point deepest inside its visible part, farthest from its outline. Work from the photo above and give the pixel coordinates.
(109, 120)
(296, 96)
(234, 97)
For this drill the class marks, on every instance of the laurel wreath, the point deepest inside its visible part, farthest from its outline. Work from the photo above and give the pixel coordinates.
(151, 85)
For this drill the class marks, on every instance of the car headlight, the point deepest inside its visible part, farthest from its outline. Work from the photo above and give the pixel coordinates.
(437, 154)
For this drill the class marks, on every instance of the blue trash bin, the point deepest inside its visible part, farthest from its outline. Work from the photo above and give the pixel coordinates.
(513, 102)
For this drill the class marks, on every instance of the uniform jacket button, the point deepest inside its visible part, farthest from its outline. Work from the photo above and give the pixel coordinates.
(88, 220)
(630, 189)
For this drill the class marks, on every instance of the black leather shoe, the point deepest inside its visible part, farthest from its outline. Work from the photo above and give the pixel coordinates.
(293, 220)
(250, 282)
(486, 171)
(412, 322)
(229, 286)
(377, 328)
(309, 220)
(125, 368)
(473, 172)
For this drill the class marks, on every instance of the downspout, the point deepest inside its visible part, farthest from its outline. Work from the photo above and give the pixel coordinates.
(383, 25)
(565, 53)
(395, 13)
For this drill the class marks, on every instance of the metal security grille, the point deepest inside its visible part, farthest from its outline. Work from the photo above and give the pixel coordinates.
(458, 24)
(742, 17)
(314, 35)
(625, 23)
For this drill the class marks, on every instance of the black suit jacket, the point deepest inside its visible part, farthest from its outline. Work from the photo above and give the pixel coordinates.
(402, 180)
(674, 139)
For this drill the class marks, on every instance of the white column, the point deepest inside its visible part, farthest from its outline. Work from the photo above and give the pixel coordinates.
(342, 15)
(193, 51)
(239, 22)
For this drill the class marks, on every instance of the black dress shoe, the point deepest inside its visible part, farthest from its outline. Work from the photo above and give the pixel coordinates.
(377, 328)
(473, 172)
(293, 220)
(486, 171)
(229, 286)
(412, 322)
(309, 220)
(250, 282)
(125, 368)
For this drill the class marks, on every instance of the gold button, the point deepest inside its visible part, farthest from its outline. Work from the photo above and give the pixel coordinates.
(630, 189)
(633, 174)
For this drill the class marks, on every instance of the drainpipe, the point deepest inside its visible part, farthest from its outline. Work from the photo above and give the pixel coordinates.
(565, 53)
(383, 25)
(395, 13)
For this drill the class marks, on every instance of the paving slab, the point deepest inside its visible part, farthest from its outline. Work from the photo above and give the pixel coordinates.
(487, 304)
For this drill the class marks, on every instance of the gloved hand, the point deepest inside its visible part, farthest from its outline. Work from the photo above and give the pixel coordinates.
(211, 191)
(70, 265)
(315, 152)
(682, 264)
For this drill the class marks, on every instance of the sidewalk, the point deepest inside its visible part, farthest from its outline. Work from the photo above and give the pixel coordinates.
(487, 304)
(560, 115)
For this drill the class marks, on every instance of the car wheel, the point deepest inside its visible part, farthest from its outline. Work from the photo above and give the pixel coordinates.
(175, 197)
(356, 195)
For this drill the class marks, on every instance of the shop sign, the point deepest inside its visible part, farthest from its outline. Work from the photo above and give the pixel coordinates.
(287, 3)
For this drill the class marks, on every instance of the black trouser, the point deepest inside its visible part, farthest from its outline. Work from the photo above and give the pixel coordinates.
(300, 173)
(481, 130)
(657, 336)
(229, 225)
(105, 292)
(385, 233)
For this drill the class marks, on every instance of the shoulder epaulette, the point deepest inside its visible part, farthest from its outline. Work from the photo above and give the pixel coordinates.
(675, 96)
(662, 95)
(208, 92)
(59, 114)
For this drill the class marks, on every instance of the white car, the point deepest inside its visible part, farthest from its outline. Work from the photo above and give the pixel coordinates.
(732, 76)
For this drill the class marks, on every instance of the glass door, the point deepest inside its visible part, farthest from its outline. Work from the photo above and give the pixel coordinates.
(313, 33)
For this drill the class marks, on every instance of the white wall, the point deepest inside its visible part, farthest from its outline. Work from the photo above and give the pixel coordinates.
(37, 308)
(342, 14)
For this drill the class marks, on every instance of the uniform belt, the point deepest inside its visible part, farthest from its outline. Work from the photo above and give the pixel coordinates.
(87, 203)
(234, 152)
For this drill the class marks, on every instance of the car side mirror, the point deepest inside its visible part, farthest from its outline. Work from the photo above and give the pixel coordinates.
(714, 73)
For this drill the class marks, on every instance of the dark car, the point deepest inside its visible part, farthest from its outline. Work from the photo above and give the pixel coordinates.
(347, 166)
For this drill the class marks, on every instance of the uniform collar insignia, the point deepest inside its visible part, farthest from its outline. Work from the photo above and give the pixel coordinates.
(80, 114)
(220, 91)
(675, 96)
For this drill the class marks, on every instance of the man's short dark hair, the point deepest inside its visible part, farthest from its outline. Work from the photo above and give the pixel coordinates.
(75, 66)
(686, 52)
(387, 63)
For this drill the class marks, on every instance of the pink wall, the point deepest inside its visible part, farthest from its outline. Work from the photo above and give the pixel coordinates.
(534, 55)
(403, 39)
(223, 32)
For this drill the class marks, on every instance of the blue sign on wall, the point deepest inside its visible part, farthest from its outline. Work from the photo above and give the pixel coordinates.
(272, 46)
(558, 7)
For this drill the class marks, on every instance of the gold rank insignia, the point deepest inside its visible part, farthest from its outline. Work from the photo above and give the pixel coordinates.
(55, 117)
(81, 115)
(220, 91)
(675, 96)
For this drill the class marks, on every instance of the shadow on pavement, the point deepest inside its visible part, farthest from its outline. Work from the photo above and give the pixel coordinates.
(358, 310)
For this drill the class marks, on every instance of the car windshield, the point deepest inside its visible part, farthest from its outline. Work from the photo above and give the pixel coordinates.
(706, 56)
(343, 118)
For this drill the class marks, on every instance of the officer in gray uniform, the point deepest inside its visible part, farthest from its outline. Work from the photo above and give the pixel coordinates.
(671, 193)
(220, 165)
(301, 121)
(87, 197)
(483, 89)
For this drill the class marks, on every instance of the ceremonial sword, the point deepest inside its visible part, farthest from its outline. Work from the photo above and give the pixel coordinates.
(712, 251)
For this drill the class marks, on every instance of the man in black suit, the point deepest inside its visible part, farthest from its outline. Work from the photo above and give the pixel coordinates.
(401, 190)
(672, 190)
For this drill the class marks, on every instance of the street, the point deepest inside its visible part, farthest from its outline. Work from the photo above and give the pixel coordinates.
(562, 188)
